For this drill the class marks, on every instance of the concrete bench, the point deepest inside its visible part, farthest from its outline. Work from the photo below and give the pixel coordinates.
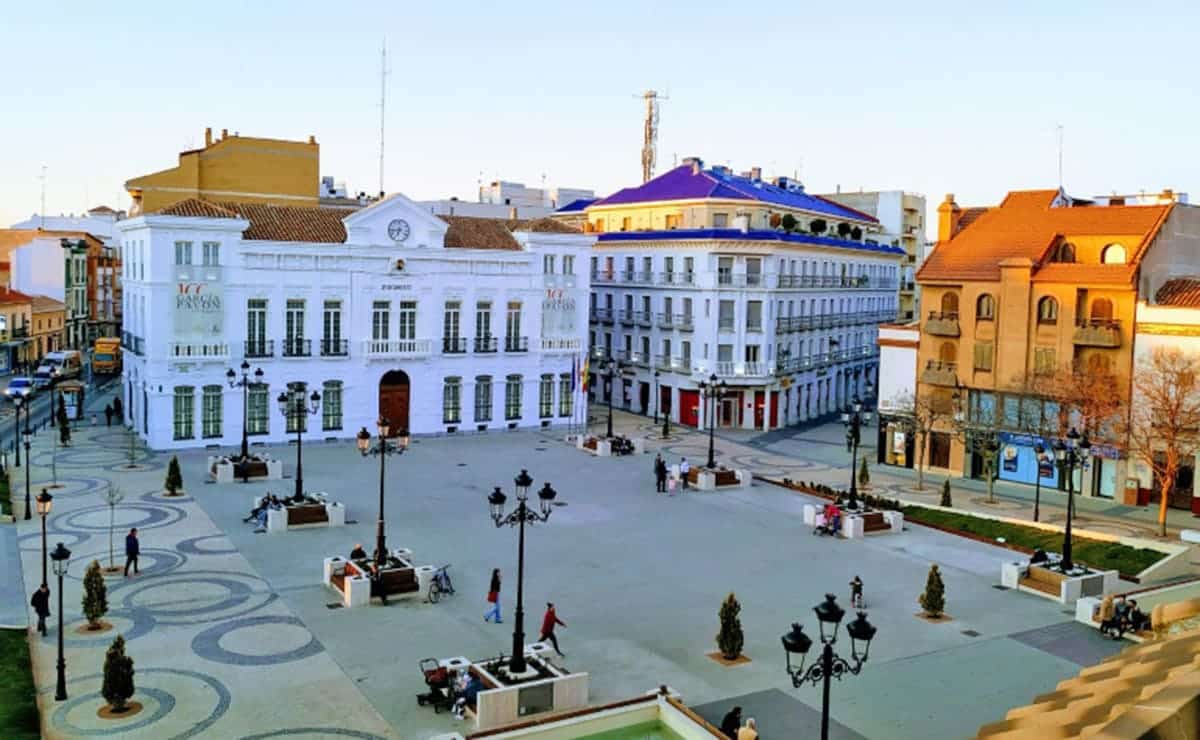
(1044, 580)
(351, 579)
(224, 470)
(317, 511)
(875, 522)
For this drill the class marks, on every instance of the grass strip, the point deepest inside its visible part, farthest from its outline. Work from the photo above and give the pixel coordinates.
(18, 700)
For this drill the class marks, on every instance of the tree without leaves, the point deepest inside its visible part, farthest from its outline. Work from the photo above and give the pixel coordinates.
(925, 413)
(1162, 422)
(112, 497)
(95, 595)
(118, 676)
(864, 474)
(730, 639)
(63, 421)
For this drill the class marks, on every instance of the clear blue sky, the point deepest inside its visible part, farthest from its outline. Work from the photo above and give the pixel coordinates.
(929, 97)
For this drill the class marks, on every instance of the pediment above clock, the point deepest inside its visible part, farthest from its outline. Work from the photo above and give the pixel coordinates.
(395, 221)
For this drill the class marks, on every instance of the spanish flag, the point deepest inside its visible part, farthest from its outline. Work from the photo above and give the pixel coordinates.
(583, 375)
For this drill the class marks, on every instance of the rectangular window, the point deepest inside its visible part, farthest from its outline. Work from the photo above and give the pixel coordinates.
(547, 264)
(331, 405)
(724, 353)
(185, 410)
(689, 267)
(212, 254)
(512, 322)
(546, 397)
(381, 313)
(568, 264)
(294, 320)
(725, 270)
(720, 220)
(183, 253)
(483, 398)
(452, 401)
(297, 416)
(451, 319)
(752, 353)
(983, 356)
(407, 324)
(626, 223)
(566, 395)
(725, 316)
(674, 220)
(483, 319)
(258, 407)
(754, 316)
(1044, 360)
(332, 327)
(512, 397)
(210, 411)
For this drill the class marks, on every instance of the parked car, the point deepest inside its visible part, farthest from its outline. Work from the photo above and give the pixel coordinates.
(19, 387)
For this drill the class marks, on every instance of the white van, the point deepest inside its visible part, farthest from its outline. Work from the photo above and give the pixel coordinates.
(58, 366)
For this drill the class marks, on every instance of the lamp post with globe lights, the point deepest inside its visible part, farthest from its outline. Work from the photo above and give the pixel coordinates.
(854, 417)
(292, 406)
(712, 391)
(44, 503)
(62, 558)
(244, 383)
(1071, 453)
(518, 518)
(382, 449)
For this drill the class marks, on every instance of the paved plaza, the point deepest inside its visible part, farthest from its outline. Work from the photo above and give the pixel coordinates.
(234, 636)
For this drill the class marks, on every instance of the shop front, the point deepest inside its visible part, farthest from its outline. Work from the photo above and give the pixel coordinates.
(895, 444)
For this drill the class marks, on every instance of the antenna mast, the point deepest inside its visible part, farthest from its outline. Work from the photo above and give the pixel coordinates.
(383, 73)
(42, 215)
(1060, 156)
(650, 133)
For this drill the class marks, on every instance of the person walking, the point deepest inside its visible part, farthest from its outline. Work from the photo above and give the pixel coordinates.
(41, 604)
(749, 731)
(683, 472)
(856, 593)
(731, 723)
(108, 414)
(118, 410)
(132, 549)
(493, 598)
(548, 622)
(660, 474)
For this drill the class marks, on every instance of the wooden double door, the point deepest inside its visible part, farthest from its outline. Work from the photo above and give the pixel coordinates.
(394, 389)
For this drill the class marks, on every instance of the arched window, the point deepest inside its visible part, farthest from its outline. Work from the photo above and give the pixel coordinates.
(950, 304)
(1113, 254)
(985, 307)
(1047, 311)
(1064, 252)
(1102, 309)
(1098, 365)
(948, 352)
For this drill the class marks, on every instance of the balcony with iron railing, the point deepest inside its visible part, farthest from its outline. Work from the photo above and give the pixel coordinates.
(666, 321)
(676, 278)
(725, 325)
(644, 319)
(603, 276)
(627, 276)
(198, 351)
(454, 345)
(743, 369)
(942, 324)
(755, 326)
(335, 347)
(641, 359)
(516, 344)
(400, 348)
(940, 373)
(258, 348)
(297, 347)
(683, 322)
(626, 317)
(602, 316)
(485, 345)
(1104, 333)
(561, 344)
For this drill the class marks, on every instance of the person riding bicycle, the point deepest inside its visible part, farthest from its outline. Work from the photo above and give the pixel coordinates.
(856, 593)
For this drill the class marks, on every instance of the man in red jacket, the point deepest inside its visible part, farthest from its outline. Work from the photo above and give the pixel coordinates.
(548, 622)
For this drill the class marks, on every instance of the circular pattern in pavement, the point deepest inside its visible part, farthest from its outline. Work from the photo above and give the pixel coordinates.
(130, 623)
(96, 518)
(165, 702)
(80, 454)
(161, 562)
(70, 487)
(162, 497)
(315, 732)
(207, 644)
(196, 597)
(191, 546)
(53, 535)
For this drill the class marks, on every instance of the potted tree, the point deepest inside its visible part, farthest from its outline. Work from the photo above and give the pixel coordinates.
(174, 482)
(818, 226)
(933, 601)
(95, 596)
(789, 223)
(856, 233)
(946, 494)
(118, 677)
(730, 639)
(843, 229)
(776, 220)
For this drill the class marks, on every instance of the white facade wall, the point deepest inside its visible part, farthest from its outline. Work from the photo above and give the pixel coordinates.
(101, 225)
(813, 348)
(358, 274)
(37, 268)
(897, 368)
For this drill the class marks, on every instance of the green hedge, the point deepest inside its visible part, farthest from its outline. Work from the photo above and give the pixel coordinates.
(18, 700)
(1096, 554)
(5, 495)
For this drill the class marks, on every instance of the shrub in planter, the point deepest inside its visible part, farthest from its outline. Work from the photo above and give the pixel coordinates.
(933, 601)
(856, 233)
(946, 494)
(174, 482)
(776, 220)
(95, 595)
(843, 229)
(864, 475)
(789, 223)
(730, 639)
(118, 676)
(818, 226)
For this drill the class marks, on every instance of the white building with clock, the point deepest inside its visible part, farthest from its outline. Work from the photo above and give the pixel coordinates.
(439, 324)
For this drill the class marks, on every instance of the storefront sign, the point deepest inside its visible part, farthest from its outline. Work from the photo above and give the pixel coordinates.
(199, 310)
(558, 313)
(395, 286)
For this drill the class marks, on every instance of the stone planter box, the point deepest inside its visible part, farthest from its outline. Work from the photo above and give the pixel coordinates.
(499, 704)
(597, 446)
(331, 514)
(224, 470)
(354, 585)
(1057, 586)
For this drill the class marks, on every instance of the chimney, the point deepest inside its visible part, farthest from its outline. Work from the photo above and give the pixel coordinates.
(756, 173)
(208, 136)
(1167, 196)
(696, 163)
(312, 139)
(224, 133)
(948, 215)
(512, 213)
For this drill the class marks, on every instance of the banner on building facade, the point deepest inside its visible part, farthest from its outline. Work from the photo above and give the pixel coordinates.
(199, 310)
(558, 313)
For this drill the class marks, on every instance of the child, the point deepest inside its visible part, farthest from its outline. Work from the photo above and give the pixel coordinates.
(671, 486)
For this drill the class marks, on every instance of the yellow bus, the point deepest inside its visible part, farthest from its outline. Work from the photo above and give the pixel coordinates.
(106, 356)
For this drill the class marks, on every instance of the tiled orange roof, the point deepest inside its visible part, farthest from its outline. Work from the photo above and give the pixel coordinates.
(291, 223)
(1025, 225)
(466, 232)
(43, 304)
(543, 226)
(1077, 272)
(8, 296)
(196, 208)
(1183, 292)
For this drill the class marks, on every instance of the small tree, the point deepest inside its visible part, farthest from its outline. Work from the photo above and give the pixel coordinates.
(921, 416)
(112, 496)
(95, 595)
(843, 229)
(118, 676)
(864, 474)
(174, 482)
(818, 226)
(730, 639)
(789, 223)
(1163, 420)
(775, 220)
(856, 233)
(933, 601)
(946, 494)
(63, 421)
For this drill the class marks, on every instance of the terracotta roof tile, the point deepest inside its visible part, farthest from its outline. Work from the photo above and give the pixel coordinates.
(1025, 225)
(291, 223)
(1183, 292)
(196, 208)
(543, 226)
(467, 232)
(1077, 272)
(8, 296)
(43, 303)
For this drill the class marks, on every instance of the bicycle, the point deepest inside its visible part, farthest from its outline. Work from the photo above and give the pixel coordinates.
(441, 584)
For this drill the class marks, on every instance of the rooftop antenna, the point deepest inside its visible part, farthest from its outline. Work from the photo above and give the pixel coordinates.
(650, 133)
(42, 214)
(1060, 156)
(383, 73)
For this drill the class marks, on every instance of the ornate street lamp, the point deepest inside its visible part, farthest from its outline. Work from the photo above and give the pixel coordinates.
(1071, 453)
(18, 402)
(854, 417)
(291, 405)
(657, 375)
(44, 502)
(61, 557)
(830, 665)
(610, 369)
(382, 449)
(518, 518)
(244, 383)
(712, 390)
(1038, 450)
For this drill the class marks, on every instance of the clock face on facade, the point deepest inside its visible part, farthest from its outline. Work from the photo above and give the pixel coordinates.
(398, 229)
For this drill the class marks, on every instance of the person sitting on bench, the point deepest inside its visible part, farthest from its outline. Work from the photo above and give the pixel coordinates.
(1119, 623)
(1138, 619)
(358, 553)
(377, 584)
(469, 691)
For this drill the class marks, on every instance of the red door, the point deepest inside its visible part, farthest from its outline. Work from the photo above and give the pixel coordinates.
(759, 409)
(393, 401)
(689, 407)
(774, 409)
(664, 400)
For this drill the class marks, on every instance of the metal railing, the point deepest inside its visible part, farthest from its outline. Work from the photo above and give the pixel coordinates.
(454, 345)
(644, 318)
(516, 344)
(666, 321)
(198, 350)
(296, 347)
(335, 347)
(259, 348)
(485, 344)
(626, 317)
